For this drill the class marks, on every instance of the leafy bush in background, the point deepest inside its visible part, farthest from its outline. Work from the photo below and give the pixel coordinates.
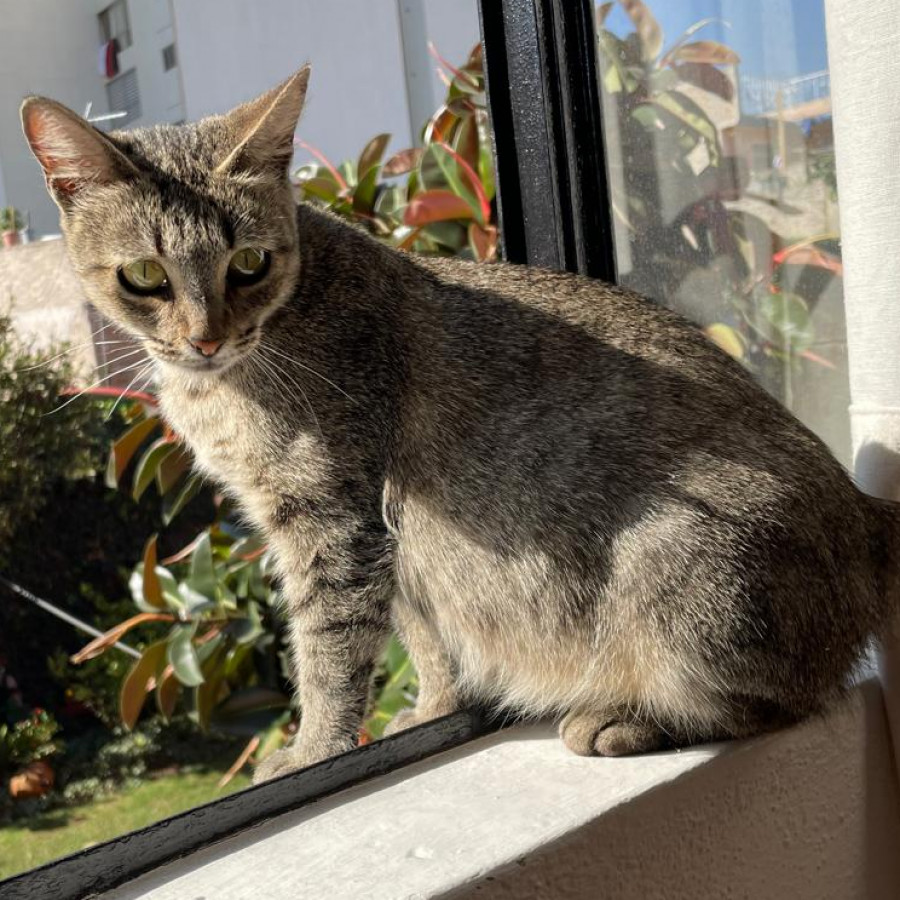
(437, 198)
(38, 445)
(28, 740)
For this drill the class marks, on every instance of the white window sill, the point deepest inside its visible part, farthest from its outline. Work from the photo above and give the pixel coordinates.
(812, 812)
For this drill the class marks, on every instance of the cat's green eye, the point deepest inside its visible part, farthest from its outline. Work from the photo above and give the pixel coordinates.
(143, 276)
(248, 266)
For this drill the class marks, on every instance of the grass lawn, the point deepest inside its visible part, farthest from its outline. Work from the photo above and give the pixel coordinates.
(62, 831)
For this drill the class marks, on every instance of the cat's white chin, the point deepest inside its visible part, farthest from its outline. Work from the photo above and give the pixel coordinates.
(199, 368)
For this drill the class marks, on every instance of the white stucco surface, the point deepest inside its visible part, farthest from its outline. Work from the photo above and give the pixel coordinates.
(807, 814)
(865, 72)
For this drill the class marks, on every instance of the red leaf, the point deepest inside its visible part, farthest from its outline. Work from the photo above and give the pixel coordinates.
(152, 590)
(436, 206)
(706, 52)
(107, 639)
(402, 162)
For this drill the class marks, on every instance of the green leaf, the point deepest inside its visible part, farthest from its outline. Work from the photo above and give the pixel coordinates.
(249, 711)
(137, 682)
(194, 602)
(372, 154)
(364, 195)
(171, 507)
(202, 576)
(183, 656)
(247, 630)
(455, 179)
(325, 189)
(236, 657)
(726, 338)
(171, 467)
(690, 114)
(126, 446)
(169, 586)
(148, 464)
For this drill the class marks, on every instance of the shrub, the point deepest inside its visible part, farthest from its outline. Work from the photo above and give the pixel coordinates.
(437, 198)
(27, 741)
(41, 440)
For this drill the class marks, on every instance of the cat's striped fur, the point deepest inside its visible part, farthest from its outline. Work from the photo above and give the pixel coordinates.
(564, 497)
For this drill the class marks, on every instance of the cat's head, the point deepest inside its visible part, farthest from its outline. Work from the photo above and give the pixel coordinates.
(184, 235)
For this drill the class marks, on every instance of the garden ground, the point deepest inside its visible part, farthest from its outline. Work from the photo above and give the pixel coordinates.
(26, 844)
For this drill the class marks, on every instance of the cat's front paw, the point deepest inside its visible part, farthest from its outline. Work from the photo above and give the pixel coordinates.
(410, 718)
(406, 718)
(294, 757)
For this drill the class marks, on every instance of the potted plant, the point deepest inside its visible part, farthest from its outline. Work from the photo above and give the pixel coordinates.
(10, 225)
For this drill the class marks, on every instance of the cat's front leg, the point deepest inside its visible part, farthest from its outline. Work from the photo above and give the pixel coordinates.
(339, 609)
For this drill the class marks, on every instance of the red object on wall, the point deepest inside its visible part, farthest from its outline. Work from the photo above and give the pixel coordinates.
(108, 59)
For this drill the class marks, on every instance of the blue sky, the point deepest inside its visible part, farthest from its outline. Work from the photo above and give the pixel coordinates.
(774, 38)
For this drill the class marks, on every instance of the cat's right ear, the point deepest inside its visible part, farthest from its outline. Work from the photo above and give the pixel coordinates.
(262, 131)
(72, 153)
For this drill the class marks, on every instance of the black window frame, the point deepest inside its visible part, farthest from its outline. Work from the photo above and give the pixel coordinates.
(554, 211)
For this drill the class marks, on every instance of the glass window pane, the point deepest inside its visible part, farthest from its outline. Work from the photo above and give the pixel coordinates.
(717, 120)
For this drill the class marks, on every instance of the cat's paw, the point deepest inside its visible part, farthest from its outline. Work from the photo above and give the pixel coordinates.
(281, 762)
(590, 734)
(410, 718)
(406, 718)
(294, 757)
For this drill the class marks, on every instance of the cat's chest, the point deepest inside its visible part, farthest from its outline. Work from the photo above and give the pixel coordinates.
(233, 438)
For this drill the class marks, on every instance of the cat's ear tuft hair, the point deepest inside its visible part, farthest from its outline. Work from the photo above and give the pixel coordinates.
(73, 154)
(263, 129)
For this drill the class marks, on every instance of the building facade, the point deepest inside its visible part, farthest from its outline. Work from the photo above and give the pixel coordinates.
(158, 61)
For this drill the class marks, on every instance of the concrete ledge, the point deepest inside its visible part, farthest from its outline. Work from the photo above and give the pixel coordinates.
(813, 812)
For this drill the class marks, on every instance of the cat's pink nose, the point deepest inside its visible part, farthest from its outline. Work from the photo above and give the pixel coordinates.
(206, 347)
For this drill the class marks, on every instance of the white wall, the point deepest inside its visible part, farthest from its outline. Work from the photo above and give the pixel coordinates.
(229, 54)
(370, 73)
(46, 47)
(453, 29)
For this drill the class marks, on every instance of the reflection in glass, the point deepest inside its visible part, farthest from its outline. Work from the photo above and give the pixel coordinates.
(717, 121)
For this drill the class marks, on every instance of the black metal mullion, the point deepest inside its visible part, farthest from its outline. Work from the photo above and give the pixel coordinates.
(540, 64)
(516, 60)
(585, 155)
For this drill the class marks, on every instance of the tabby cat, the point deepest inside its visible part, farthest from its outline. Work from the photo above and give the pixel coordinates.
(565, 499)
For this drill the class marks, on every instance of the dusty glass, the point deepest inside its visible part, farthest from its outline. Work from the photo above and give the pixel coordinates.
(717, 122)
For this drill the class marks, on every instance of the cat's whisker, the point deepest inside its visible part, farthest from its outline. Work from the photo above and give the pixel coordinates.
(275, 370)
(142, 373)
(52, 359)
(306, 368)
(97, 383)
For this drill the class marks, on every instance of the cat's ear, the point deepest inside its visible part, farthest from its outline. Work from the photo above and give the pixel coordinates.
(72, 153)
(263, 129)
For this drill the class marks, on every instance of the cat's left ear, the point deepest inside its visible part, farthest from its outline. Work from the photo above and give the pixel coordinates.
(263, 129)
(72, 153)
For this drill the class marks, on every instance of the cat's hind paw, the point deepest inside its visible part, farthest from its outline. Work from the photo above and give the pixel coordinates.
(589, 734)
